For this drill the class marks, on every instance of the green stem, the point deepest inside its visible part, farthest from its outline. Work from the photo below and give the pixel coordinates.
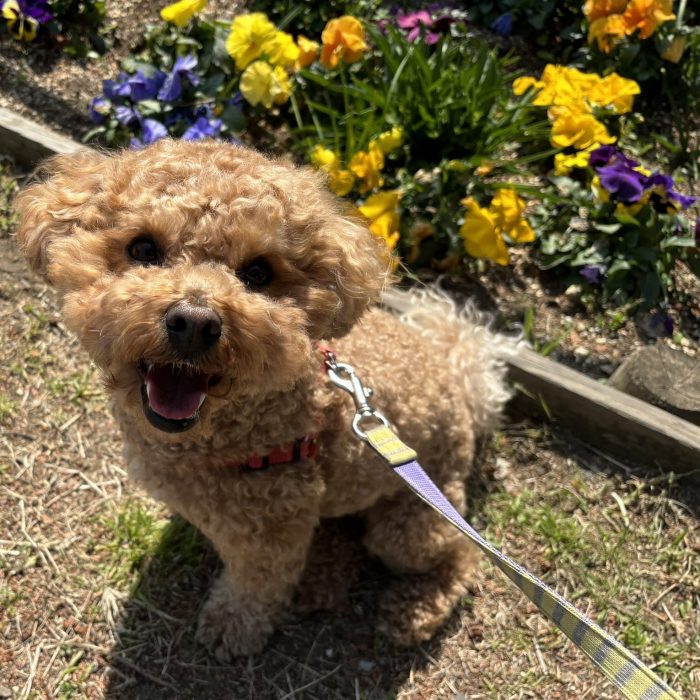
(681, 12)
(295, 109)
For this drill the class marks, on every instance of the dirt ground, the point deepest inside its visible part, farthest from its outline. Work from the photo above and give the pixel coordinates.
(100, 587)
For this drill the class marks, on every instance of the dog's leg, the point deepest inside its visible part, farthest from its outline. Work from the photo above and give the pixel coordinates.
(435, 563)
(263, 559)
(253, 591)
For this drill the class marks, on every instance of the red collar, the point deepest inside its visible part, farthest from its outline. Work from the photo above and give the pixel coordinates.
(303, 448)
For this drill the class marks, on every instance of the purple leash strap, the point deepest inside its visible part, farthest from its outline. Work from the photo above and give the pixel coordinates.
(633, 678)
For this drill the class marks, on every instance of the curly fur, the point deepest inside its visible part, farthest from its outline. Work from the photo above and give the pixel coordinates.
(212, 208)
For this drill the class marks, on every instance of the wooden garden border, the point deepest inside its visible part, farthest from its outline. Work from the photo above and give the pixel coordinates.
(630, 429)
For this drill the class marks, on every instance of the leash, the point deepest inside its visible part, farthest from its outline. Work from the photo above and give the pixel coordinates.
(635, 680)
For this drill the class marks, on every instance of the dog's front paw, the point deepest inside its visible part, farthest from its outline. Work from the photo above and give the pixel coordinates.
(229, 628)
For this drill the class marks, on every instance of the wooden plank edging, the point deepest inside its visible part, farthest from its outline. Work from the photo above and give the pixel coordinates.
(622, 425)
(28, 142)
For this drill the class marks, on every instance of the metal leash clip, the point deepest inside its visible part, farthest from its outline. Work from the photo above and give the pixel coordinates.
(345, 377)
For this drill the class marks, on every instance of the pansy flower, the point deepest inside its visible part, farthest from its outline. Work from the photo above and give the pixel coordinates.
(503, 24)
(171, 89)
(203, 128)
(343, 40)
(262, 84)
(24, 17)
(99, 109)
(180, 13)
(151, 131)
(250, 34)
(593, 274)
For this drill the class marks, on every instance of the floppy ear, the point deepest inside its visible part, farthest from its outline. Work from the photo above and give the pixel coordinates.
(354, 264)
(51, 208)
(347, 265)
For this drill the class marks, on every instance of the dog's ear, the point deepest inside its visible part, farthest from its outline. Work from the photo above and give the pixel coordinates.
(51, 208)
(355, 267)
(347, 265)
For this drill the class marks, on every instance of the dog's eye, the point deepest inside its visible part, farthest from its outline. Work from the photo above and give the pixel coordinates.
(257, 273)
(144, 250)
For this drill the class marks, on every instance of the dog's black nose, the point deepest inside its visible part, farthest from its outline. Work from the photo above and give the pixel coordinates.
(192, 329)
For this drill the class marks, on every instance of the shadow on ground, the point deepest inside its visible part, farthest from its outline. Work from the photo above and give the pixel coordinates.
(328, 655)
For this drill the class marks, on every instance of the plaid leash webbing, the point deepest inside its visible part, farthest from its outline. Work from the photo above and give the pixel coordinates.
(634, 679)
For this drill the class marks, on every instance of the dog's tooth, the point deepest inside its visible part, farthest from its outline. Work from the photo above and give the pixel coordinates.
(201, 401)
(148, 391)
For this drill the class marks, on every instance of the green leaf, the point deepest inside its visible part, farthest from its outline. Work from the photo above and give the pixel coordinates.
(679, 242)
(607, 228)
(233, 119)
(627, 219)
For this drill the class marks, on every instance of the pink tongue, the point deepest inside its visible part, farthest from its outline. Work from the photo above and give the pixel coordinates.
(173, 393)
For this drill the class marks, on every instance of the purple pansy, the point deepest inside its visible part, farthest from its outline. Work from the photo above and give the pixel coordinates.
(126, 115)
(151, 131)
(99, 109)
(593, 274)
(202, 129)
(503, 24)
(36, 9)
(664, 187)
(624, 184)
(620, 176)
(142, 87)
(183, 68)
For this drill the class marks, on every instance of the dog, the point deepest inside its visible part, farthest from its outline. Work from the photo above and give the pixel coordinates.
(204, 280)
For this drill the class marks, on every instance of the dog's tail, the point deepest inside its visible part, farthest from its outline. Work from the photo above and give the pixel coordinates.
(468, 343)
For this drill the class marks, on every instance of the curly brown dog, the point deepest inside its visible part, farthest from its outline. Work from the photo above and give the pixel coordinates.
(201, 277)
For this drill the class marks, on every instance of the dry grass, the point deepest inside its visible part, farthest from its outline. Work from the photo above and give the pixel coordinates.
(100, 589)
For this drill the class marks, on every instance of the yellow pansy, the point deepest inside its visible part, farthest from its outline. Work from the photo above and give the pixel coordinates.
(19, 25)
(388, 141)
(250, 33)
(600, 193)
(324, 159)
(308, 52)
(180, 13)
(343, 40)
(607, 31)
(366, 165)
(507, 210)
(262, 84)
(594, 9)
(564, 163)
(281, 50)
(481, 237)
(616, 92)
(341, 182)
(382, 211)
(647, 15)
(579, 131)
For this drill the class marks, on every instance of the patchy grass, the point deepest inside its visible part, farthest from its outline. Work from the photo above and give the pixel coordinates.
(100, 587)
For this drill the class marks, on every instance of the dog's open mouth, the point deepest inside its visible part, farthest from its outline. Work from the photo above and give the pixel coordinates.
(173, 394)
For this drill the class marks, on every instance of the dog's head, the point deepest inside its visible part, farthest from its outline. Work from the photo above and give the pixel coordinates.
(194, 273)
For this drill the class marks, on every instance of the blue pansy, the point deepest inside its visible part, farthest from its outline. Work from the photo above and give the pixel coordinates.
(142, 87)
(503, 24)
(202, 129)
(126, 115)
(99, 109)
(151, 131)
(593, 274)
(172, 87)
